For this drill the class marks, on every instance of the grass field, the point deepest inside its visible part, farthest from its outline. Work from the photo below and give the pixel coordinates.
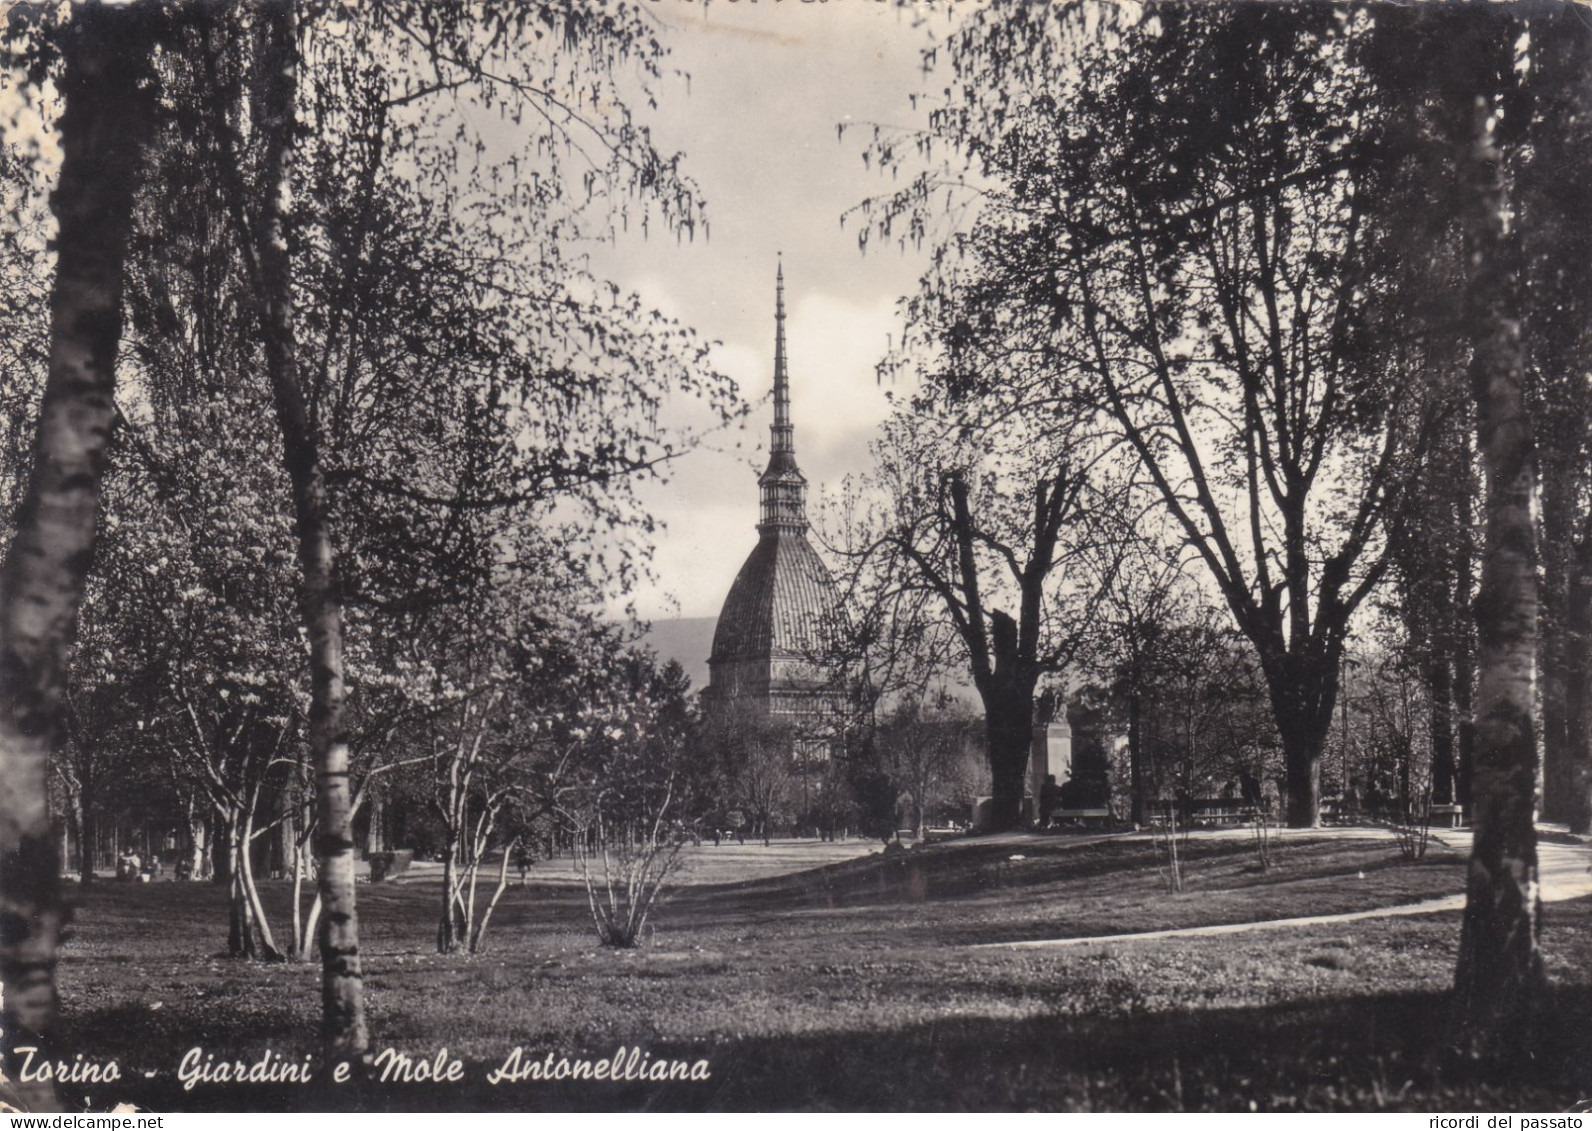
(821, 978)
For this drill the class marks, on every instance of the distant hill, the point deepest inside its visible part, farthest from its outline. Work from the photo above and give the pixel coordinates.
(689, 640)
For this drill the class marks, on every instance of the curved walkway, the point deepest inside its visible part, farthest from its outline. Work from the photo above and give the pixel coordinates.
(1563, 871)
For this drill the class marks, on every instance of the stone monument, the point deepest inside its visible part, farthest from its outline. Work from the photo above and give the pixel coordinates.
(1050, 752)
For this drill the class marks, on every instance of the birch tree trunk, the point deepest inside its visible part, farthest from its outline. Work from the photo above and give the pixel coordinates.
(251, 891)
(103, 128)
(1578, 676)
(220, 852)
(197, 847)
(1500, 975)
(1136, 775)
(297, 951)
(1440, 696)
(1554, 644)
(1465, 632)
(343, 1029)
(478, 931)
(87, 827)
(447, 925)
(240, 936)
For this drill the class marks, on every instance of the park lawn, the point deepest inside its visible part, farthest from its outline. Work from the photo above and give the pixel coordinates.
(851, 987)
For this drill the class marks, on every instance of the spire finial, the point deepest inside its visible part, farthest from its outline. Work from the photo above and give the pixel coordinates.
(782, 439)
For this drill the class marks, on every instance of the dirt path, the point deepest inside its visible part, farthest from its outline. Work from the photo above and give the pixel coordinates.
(1564, 872)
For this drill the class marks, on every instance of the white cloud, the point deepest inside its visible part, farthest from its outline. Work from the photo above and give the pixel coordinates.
(769, 83)
(836, 401)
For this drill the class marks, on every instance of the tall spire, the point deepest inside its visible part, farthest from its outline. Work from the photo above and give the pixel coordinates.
(782, 433)
(784, 489)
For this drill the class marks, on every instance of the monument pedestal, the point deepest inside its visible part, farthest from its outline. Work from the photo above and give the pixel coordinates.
(1049, 753)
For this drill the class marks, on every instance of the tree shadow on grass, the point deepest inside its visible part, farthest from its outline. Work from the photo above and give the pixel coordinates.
(140, 1039)
(1383, 1053)
(971, 869)
(986, 894)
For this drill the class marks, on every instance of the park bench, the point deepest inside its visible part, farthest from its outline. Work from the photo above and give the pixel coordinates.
(1225, 814)
(1205, 812)
(1081, 816)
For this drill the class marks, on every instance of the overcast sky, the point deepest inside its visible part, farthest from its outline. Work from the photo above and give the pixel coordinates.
(769, 83)
(770, 80)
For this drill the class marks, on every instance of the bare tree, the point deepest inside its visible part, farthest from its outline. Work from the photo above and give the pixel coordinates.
(998, 529)
(1201, 281)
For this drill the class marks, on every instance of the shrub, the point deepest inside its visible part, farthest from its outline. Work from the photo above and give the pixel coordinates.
(635, 867)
